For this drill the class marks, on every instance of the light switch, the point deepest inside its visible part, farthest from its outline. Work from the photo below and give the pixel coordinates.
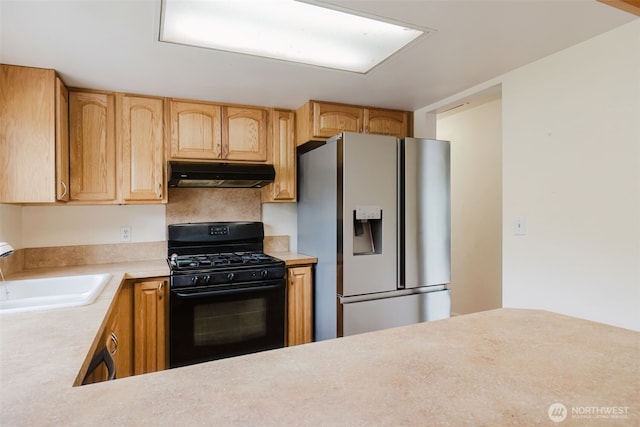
(520, 226)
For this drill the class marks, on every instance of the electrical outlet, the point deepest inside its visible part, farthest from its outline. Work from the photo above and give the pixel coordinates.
(520, 226)
(125, 233)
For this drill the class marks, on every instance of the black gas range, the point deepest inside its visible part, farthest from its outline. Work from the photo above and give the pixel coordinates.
(227, 297)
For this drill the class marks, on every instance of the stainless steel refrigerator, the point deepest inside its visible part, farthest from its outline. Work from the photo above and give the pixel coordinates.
(375, 211)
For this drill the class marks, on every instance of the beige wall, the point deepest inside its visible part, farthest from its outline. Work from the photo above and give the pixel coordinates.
(86, 225)
(11, 225)
(476, 206)
(572, 168)
(44, 226)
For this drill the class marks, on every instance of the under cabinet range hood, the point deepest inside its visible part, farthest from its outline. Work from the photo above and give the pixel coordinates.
(220, 175)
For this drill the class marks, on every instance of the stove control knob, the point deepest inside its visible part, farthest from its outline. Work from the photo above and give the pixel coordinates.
(230, 276)
(195, 280)
(207, 279)
(263, 273)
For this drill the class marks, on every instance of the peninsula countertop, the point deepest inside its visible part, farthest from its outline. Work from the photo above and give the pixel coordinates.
(499, 367)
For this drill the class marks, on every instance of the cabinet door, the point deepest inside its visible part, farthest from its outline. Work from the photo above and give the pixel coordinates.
(27, 135)
(149, 307)
(245, 134)
(62, 141)
(195, 130)
(299, 305)
(92, 146)
(141, 135)
(284, 158)
(387, 122)
(331, 119)
(120, 332)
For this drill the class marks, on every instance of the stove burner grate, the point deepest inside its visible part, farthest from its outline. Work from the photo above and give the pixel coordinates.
(211, 261)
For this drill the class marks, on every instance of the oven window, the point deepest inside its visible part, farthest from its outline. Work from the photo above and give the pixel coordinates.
(208, 324)
(229, 322)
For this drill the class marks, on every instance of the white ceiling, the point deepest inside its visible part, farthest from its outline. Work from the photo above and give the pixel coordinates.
(113, 45)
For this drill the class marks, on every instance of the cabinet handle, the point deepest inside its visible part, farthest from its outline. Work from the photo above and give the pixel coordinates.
(64, 189)
(159, 191)
(114, 340)
(160, 286)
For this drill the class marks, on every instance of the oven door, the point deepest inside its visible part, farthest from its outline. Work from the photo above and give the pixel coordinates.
(214, 323)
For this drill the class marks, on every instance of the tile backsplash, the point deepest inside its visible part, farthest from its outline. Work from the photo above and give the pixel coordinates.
(220, 204)
(63, 256)
(213, 204)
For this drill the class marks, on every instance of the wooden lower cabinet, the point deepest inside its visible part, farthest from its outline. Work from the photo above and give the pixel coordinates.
(150, 325)
(120, 333)
(299, 305)
(135, 333)
(117, 338)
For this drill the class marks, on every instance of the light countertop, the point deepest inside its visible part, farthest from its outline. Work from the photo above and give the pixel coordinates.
(499, 367)
(293, 259)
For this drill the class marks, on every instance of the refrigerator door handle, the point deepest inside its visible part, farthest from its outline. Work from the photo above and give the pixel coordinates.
(400, 236)
(392, 294)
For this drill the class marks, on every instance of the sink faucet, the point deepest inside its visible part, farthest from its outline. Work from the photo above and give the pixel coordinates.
(5, 250)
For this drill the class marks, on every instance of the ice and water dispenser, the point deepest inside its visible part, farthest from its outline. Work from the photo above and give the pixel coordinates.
(367, 230)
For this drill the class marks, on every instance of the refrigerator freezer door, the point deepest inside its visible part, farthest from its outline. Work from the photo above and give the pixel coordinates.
(368, 165)
(425, 243)
(373, 315)
(318, 231)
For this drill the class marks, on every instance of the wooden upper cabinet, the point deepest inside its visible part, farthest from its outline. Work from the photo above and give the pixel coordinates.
(205, 131)
(116, 148)
(195, 130)
(386, 122)
(317, 121)
(92, 146)
(331, 119)
(244, 134)
(283, 157)
(62, 141)
(33, 136)
(141, 138)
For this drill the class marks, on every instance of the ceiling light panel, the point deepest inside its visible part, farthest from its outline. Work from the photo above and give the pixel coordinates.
(286, 30)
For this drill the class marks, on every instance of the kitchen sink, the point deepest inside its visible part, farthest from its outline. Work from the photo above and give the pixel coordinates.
(55, 292)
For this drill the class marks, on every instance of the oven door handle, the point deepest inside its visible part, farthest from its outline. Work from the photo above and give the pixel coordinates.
(197, 294)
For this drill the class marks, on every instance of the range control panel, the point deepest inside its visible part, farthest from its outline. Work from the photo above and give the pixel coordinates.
(228, 276)
(218, 230)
